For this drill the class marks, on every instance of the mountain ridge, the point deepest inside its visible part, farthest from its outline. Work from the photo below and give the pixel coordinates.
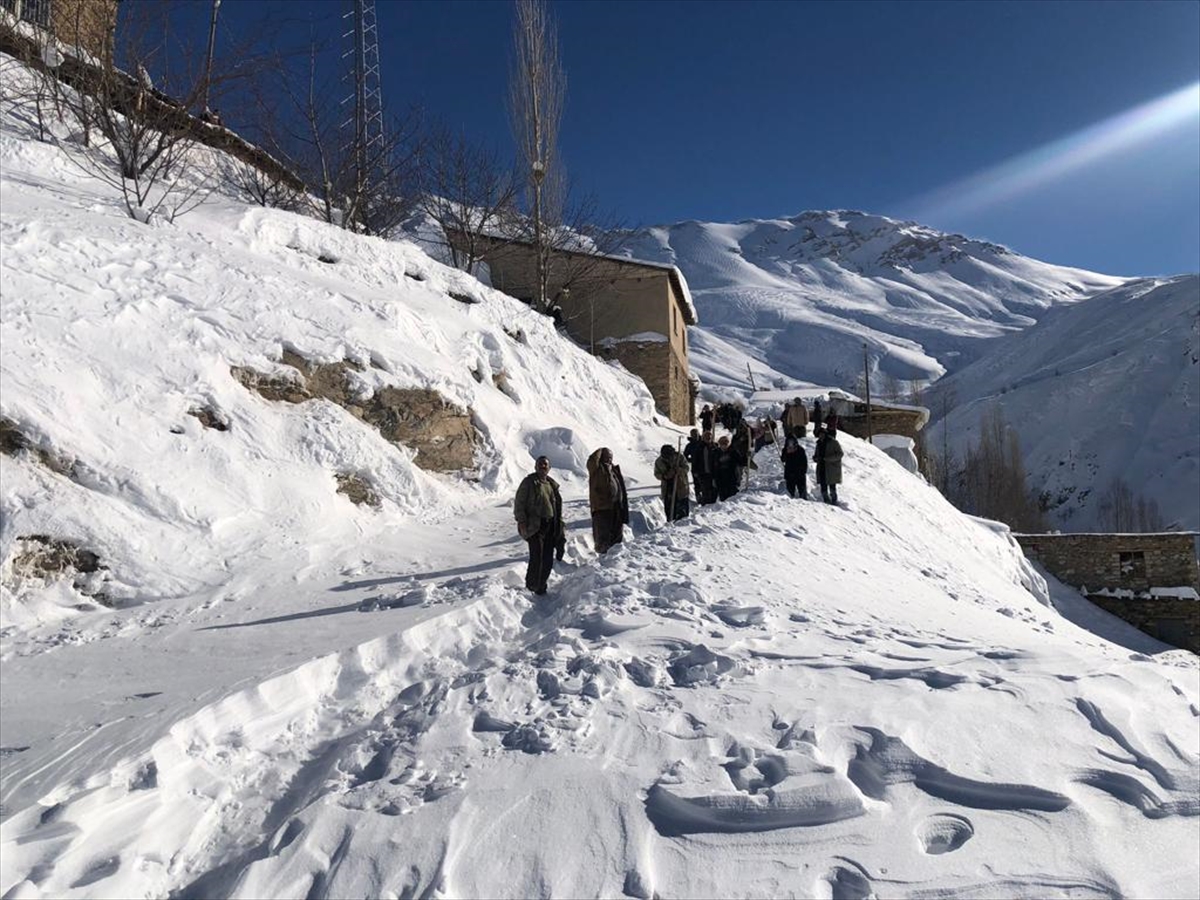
(799, 306)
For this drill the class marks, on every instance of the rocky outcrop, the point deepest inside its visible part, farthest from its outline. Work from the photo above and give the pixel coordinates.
(210, 417)
(39, 557)
(357, 489)
(441, 433)
(14, 442)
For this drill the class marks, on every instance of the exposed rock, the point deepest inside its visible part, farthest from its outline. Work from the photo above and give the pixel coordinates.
(43, 558)
(14, 442)
(443, 435)
(210, 418)
(463, 297)
(357, 489)
(279, 388)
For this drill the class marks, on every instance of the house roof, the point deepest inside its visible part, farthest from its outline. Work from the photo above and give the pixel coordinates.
(677, 280)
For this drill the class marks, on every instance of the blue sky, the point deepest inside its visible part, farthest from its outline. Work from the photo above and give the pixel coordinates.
(724, 111)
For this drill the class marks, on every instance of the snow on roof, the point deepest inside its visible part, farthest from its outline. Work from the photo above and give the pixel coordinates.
(645, 337)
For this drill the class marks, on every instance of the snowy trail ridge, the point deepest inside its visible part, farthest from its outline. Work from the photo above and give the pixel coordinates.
(719, 707)
(224, 676)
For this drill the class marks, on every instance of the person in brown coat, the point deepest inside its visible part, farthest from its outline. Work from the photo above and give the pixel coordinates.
(795, 418)
(607, 499)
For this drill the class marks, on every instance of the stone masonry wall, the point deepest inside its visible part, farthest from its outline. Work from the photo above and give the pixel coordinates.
(883, 421)
(1095, 560)
(649, 361)
(1129, 562)
(1173, 621)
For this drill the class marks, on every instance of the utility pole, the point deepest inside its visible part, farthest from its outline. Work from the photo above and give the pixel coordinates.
(212, 46)
(867, 380)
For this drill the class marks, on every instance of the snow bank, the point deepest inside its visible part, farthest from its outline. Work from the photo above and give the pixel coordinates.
(117, 337)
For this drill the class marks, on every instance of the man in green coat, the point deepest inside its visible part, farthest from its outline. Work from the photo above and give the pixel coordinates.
(672, 470)
(538, 511)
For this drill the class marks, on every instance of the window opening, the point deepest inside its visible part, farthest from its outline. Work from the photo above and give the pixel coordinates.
(1132, 565)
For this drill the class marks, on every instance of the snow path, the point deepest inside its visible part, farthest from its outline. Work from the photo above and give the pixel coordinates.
(711, 694)
(295, 696)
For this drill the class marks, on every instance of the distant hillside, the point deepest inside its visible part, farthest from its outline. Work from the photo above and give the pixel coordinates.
(797, 297)
(1103, 389)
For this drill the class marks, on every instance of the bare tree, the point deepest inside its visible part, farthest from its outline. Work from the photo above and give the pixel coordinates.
(537, 92)
(261, 186)
(1122, 511)
(30, 89)
(308, 137)
(141, 137)
(992, 481)
(469, 193)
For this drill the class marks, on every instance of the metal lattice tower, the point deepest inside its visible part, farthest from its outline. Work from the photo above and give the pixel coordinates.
(368, 95)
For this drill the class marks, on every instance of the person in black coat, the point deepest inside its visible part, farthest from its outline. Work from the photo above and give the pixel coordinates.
(706, 418)
(795, 468)
(704, 470)
(816, 417)
(729, 464)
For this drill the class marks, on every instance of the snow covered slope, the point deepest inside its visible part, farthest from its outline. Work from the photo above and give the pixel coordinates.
(113, 332)
(293, 696)
(1103, 389)
(799, 296)
(774, 698)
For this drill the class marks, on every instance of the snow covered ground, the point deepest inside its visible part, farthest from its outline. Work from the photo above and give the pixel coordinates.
(290, 695)
(1103, 389)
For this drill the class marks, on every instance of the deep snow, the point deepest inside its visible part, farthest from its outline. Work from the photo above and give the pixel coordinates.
(298, 697)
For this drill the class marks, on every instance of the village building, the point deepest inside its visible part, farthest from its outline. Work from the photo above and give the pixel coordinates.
(629, 310)
(1151, 581)
(87, 24)
(885, 418)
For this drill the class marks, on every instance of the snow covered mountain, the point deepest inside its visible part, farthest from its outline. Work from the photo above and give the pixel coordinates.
(798, 297)
(227, 671)
(1105, 389)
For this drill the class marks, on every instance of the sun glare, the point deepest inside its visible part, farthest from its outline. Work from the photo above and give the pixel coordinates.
(1052, 161)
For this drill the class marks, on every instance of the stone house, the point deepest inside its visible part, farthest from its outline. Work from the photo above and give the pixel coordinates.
(87, 24)
(1151, 581)
(886, 418)
(632, 311)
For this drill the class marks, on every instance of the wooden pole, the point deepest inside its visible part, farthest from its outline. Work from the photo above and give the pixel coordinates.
(867, 379)
(753, 386)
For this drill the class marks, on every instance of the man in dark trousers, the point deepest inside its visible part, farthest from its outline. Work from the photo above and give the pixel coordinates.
(795, 467)
(704, 469)
(829, 463)
(607, 499)
(706, 418)
(538, 511)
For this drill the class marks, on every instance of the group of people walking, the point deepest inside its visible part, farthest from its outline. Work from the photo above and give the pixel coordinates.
(716, 470)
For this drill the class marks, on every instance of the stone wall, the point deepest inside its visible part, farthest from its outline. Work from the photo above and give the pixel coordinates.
(905, 423)
(649, 361)
(85, 23)
(1175, 622)
(1134, 562)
